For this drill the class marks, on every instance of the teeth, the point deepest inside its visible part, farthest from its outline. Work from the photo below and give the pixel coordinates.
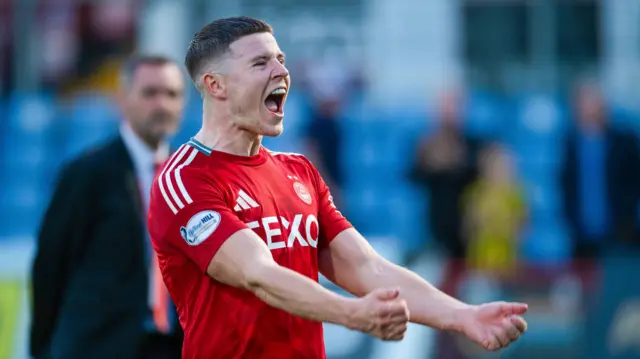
(279, 91)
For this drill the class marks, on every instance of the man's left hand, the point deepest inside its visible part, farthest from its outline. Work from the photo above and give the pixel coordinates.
(493, 325)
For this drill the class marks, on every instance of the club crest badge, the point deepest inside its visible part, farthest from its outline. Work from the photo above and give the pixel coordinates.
(302, 192)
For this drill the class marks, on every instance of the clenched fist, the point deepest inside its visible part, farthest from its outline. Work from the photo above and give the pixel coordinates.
(381, 314)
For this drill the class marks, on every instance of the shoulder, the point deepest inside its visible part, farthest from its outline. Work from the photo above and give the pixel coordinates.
(292, 159)
(184, 178)
(299, 163)
(91, 163)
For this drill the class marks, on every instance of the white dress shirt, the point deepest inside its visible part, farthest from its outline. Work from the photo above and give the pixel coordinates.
(144, 160)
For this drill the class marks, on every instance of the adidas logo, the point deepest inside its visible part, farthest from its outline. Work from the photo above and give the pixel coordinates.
(244, 202)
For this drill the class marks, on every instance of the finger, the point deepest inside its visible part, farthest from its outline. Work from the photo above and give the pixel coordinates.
(385, 329)
(400, 317)
(513, 333)
(396, 332)
(397, 337)
(393, 308)
(393, 338)
(399, 333)
(519, 323)
(387, 293)
(399, 307)
(502, 338)
(513, 308)
(393, 320)
(491, 343)
(386, 310)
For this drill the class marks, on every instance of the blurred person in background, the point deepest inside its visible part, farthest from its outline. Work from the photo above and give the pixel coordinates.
(323, 142)
(495, 212)
(600, 178)
(323, 137)
(97, 292)
(445, 165)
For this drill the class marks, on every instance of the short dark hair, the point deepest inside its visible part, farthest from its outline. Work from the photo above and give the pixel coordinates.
(214, 39)
(132, 64)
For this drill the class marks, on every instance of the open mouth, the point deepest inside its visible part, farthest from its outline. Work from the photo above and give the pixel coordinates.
(275, 100)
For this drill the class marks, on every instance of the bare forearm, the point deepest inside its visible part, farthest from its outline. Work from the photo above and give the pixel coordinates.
(294, 293)
(427, 305)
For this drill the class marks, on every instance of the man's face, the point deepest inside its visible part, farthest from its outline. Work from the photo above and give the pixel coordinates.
(154, 101)
(257, 84)
(590, 107)
(450, 109)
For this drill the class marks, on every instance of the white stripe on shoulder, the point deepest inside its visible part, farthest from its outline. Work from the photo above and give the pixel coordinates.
(162, 178)
(167, 177)
(285, 153)
(183, 190)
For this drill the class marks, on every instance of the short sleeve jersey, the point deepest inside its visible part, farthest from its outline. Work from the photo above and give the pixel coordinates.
(198, 201)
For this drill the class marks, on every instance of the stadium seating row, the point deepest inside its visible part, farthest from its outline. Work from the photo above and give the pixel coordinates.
(39, 134)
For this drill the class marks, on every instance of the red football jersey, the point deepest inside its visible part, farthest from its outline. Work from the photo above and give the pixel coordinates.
(199, 200)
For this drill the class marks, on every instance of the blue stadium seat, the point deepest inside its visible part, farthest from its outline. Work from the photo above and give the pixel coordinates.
(543, 200)
(22, 205)
(485, 115)
(191, 120)
(369, 208)
(29, 120)
(546, 242)
(409, 216)
(540, 119)
(92, 118)
(27, 159)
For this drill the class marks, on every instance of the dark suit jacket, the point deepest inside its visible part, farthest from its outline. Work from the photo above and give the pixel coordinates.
(623, 186)
(90, 274)
(445, 189)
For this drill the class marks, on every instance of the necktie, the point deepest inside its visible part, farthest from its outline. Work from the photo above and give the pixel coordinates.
(159, 292)
(161, 298)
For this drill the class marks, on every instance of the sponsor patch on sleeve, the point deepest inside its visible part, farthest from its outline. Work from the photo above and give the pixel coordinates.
(200, 227)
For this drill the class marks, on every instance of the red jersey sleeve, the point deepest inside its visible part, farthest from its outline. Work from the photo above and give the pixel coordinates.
(198, 225)
(330, 220)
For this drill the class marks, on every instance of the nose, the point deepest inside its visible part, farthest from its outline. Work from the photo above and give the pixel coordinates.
(279, 71)
(162, 101)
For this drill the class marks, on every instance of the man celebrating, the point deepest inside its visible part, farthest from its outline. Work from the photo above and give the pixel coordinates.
(241, 232)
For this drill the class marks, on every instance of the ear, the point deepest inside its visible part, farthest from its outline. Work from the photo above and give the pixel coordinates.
(215, 85)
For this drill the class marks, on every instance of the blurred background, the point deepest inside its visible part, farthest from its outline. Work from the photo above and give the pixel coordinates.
(489, 145)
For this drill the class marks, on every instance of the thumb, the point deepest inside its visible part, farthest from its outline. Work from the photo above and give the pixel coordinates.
(387, 293)
(514, 308)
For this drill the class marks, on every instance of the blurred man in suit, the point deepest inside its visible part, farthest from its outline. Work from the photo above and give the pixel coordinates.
(445, 165)
(97, 292)
(600, 178)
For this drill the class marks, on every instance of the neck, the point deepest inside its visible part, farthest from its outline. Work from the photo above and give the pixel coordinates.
(224, 136)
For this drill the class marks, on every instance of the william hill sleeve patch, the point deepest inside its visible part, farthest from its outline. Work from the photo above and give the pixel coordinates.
(200, 227)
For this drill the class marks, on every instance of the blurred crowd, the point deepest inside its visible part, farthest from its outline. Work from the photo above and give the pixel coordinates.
(81, 44)
(481, 208)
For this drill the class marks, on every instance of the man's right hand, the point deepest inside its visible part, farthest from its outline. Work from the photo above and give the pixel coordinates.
(381, 314)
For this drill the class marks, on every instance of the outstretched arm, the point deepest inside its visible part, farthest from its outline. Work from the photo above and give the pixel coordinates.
(244, 261)
(350, 262)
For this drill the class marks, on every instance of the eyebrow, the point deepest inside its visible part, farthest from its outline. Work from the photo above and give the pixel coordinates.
(280, 55)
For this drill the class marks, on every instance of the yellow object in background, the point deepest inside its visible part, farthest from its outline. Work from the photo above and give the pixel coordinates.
(497, 213)
(105, 79)
(9, 312)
